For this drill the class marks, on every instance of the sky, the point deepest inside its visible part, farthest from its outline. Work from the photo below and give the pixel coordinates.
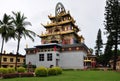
(89, 16)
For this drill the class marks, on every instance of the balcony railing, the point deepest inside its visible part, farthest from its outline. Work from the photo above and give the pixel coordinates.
(57, 33)
(59, 23)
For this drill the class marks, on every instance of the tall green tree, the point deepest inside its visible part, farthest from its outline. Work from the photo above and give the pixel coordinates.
(108, 54)
(20, 29)
(112, 24)
(99, 44)
(6, 31)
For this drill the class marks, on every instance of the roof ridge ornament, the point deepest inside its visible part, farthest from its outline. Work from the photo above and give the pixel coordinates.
(59, 9)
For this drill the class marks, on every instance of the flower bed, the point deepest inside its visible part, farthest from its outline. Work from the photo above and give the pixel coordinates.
(14, 75)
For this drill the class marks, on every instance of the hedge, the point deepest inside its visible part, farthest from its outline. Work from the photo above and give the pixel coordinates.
(41, 71)
(20, 69)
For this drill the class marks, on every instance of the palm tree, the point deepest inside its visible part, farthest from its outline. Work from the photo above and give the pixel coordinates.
(6, 31)
(20, 29)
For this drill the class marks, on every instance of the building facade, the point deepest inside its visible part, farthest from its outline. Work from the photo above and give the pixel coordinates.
(61, 45)
(8, 60)
(53, 54)
(117, 63)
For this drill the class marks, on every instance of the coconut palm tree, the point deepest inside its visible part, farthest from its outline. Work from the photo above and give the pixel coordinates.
(20, 29)
(6, 31)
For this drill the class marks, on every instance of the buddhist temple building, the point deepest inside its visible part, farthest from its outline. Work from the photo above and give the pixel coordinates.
(61, 45)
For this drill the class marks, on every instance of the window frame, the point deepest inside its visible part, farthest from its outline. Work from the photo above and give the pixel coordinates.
(11, 59)
(41, 57)
(49, 57)
(4, 59)
(18, 60)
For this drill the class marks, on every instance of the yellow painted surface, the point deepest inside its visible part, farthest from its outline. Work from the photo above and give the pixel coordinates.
(8, 63)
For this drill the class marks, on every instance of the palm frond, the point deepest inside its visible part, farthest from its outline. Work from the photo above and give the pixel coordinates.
(27, 23)
(30, 34)
(6, 26)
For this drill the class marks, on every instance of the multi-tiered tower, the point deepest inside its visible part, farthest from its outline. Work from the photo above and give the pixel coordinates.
(61, 29)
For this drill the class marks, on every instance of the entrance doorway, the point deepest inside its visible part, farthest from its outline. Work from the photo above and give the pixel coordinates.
(57, 62)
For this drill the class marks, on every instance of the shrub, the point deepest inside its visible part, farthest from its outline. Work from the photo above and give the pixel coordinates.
(26, 66)
(41, 71)
(52, 71)
(11, 70)
(20, 69)
(59, 70)
(3, 70)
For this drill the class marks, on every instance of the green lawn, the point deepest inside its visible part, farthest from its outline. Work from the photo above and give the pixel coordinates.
(75, 76)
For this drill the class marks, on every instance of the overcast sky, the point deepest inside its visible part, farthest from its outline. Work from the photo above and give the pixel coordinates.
(89, 16)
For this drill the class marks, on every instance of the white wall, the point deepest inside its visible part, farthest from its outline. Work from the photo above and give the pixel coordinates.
(72, 60)
(67, 60)
(45, 62)
(31, 58)
(34, 59)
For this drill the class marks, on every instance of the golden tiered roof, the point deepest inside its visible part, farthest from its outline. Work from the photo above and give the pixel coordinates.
(62, 15)
(62, 24)
(59, 23)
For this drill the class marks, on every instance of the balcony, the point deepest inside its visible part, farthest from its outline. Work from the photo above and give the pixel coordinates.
(57, 33)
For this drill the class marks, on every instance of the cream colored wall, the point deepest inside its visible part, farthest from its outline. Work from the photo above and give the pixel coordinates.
(9, 64)
(118, 65)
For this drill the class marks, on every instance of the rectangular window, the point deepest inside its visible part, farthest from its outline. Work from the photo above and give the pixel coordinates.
(49, 57)
(41, 57)
(23, 60)
(4, 59)
(18, 60)
(11, 59)
(11, 66)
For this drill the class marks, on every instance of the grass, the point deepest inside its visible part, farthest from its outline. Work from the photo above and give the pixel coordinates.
(75, 76)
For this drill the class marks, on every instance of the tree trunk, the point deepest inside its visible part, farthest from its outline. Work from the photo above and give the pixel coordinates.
(1, 52)
(115, 50)
(17, 53)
